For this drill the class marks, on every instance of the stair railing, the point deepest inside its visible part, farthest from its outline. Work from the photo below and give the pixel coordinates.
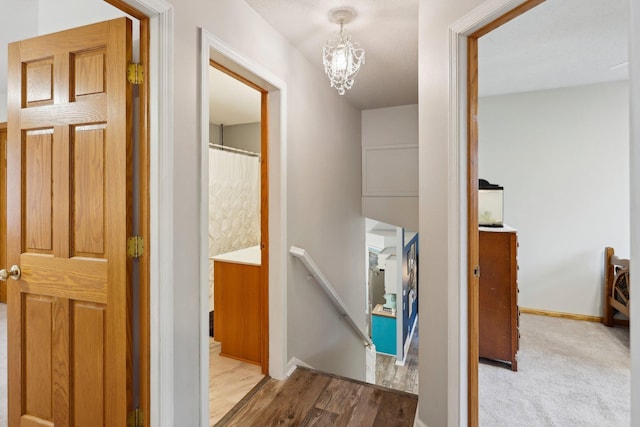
(325, 285)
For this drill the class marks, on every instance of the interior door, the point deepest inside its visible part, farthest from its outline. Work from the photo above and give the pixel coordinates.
(3, 208)
(68, 217)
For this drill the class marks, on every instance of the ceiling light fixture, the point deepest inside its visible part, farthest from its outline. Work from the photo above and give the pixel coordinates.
(341, 57)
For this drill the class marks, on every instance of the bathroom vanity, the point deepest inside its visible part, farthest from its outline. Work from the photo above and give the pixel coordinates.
(237, 304)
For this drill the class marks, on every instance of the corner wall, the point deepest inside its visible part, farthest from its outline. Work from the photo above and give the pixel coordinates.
(443, 387)
(322, 193)
(561, 157)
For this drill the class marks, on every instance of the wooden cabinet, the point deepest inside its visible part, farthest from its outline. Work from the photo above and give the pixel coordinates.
(498, 310)
(237, 304)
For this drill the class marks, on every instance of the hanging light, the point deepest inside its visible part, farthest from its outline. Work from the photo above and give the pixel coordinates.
(341, 57)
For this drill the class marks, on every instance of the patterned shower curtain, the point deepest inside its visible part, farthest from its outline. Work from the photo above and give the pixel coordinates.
(234, 204)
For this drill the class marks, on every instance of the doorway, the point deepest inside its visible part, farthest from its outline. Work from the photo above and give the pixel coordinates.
(392, 298)
(237, 226)
(538, 153)
(273, 156)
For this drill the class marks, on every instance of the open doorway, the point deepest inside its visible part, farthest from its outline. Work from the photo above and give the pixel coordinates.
(392, 289)
(525, 157)
(236, 223)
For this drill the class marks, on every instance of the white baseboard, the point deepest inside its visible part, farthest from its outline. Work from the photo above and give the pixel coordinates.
(407, 344)
(293, 363)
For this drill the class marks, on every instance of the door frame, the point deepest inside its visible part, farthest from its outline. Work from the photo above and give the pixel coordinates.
(3, 210)
(158, 219)
(462, 192)
(212, 48)
(472, 200)
(264, 209)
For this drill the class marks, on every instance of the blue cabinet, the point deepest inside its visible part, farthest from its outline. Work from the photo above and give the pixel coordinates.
(383, 329)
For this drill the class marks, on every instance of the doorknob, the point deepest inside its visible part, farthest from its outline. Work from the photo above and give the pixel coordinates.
(14, 272)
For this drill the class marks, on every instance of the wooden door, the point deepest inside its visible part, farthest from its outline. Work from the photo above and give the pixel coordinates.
(3, 206)
(68, 216)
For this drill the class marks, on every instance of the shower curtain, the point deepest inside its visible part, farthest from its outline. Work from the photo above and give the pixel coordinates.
(234, 204)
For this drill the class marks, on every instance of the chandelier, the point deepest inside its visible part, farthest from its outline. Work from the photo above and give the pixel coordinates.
(341, 57)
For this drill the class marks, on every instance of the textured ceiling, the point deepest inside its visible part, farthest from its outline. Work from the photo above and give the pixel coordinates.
(559, 43)
(386, 30)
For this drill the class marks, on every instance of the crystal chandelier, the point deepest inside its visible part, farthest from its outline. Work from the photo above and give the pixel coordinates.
(341, 57)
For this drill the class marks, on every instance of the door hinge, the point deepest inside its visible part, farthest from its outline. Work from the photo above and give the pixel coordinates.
(136, 418)
(135, 73)
(135, 246)
(476, 271)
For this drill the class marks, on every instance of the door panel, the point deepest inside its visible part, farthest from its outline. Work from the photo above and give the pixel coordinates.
(3, 206)
(69, 203)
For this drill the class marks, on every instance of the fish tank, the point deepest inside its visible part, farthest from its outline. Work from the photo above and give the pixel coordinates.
(490, 204)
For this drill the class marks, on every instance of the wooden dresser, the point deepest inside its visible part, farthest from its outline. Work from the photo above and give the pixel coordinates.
(499, 314)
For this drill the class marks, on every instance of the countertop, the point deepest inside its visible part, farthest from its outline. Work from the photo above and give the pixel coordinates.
(248, 256)
(379, 312)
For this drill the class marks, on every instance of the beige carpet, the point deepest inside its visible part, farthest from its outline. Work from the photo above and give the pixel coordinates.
(570, 373)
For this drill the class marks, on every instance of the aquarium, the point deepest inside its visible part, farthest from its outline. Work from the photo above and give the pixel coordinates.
(490, 204)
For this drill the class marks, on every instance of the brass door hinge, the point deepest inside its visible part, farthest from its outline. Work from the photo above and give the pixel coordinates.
(136, 418)
(135, 246)
(476, 271)
(135, 73)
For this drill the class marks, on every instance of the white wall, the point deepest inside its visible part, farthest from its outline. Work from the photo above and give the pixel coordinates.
(561, 156)
(3, 107)
(439, 356)
(323, 212)
(634, 73)
(390, 165)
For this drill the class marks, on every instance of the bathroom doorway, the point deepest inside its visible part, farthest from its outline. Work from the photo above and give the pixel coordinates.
(236, 238)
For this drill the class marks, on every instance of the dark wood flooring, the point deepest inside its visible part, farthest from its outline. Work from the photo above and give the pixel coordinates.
(311, 398)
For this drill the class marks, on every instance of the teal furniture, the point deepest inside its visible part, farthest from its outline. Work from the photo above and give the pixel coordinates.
(383, 329)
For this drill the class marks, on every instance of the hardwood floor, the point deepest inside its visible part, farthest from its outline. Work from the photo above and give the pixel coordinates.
(311, 398)
(229, 381)
(403, 378)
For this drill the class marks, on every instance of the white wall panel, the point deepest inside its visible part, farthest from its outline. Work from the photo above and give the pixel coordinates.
(390, 171)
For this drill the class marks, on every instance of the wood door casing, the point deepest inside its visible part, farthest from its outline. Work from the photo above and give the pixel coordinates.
(68, 216)
(264, 216)
(3, 207)
(472, 204)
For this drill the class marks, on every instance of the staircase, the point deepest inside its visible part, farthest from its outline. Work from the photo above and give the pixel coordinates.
(313, 398)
